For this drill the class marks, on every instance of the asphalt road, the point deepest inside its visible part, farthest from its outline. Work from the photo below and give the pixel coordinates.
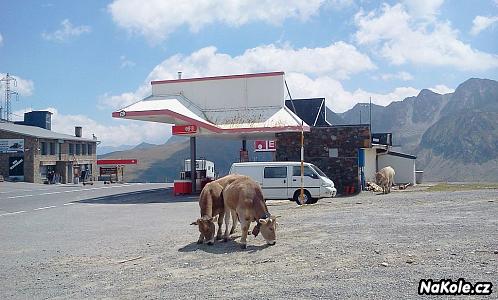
(21, 197)
(128, 242)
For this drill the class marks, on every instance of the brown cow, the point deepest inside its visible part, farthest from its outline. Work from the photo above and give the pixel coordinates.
(225, 181)
(211, 205)
(244, 197)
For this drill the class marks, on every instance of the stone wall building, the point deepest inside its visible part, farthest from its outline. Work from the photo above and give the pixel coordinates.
(33, 154)
(334, 149)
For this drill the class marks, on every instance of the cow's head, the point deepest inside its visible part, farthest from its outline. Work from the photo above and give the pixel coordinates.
(206, 227)
(380, 178)
(268, 227)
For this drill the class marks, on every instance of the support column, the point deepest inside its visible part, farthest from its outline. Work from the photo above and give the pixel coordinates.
(193, 162)
(244, 156)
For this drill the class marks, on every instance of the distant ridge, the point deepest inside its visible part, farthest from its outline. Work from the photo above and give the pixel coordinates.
(455, 136)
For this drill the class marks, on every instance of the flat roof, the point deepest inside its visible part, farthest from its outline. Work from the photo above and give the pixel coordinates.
(271, 163)
(238, 76)
(39, 132)
(399, 154)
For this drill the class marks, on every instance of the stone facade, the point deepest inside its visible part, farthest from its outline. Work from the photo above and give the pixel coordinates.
(333, 149)
(64, 163)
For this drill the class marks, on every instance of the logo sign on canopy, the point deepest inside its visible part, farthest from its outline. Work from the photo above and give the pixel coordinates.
(184, 129)
(264, 146)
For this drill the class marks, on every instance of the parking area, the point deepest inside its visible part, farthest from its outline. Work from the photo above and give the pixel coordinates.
(135, 241)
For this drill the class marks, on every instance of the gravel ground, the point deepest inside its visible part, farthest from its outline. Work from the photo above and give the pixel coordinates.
(367, 246)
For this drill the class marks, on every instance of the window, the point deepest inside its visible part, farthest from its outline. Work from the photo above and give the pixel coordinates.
(71, 149)
(90, 149)
(59, 148)
(84, 149)
(43, 148)
(296, 171)
(52, 148)
(78, 149)
(276, 172)
(333, 152)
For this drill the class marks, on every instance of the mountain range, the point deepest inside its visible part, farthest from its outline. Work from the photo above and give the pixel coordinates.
(454, 136)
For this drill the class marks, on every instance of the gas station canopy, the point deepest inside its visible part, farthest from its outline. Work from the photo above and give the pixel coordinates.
(245, 106)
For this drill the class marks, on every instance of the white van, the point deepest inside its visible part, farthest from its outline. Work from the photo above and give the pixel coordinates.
(282, 180)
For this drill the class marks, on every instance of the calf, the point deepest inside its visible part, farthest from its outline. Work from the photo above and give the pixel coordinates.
(244, 197)
(211, 205)
(385, 179)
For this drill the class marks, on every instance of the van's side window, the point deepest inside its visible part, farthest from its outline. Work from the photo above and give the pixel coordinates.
(296, 171)
(275, 172)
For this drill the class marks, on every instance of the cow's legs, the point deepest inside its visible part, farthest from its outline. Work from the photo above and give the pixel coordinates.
(201, 239)
(220, 223)
(244, 226)
(234, 222)
(227, 220)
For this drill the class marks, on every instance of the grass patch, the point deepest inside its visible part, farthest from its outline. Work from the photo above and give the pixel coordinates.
(452, 187)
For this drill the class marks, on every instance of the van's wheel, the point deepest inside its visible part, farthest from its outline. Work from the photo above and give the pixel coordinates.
(307, 197)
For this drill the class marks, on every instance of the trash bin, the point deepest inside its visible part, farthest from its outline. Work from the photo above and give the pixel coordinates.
(419, 176)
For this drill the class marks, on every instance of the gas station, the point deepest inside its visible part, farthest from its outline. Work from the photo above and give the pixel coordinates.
(240, 107)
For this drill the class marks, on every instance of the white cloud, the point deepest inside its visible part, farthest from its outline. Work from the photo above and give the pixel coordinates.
(338, 99)
(156, 19)
(66, 32)
(426, 9)
(395, 35)
(404, 76)
(1, 40)
(126, 63)
(120, 132)
(480, 23)
(338, 60)
(24, 87)
(442, 89)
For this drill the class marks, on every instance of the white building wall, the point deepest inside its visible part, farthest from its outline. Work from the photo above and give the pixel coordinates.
(225, 94)
(404, 168)
(370, 164)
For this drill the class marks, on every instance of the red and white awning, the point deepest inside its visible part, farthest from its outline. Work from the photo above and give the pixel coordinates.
(245, 106)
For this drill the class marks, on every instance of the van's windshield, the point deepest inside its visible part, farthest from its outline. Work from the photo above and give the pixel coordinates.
(317, 169)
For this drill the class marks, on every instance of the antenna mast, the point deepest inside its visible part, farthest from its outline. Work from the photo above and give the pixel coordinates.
(8, 93)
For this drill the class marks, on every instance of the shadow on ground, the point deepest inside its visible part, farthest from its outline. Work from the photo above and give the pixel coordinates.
(161, 195)
(221, 247)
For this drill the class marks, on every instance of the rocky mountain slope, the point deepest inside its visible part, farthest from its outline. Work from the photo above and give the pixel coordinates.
(163, 163)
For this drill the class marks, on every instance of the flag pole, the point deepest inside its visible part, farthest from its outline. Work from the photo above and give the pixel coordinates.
(301, 196)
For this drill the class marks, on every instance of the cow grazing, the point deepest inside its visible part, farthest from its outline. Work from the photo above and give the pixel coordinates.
(385, 179)
(211, 205)
(244, 197)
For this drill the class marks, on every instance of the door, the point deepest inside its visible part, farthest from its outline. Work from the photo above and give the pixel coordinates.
(311, 181)
(16, 168)
(275, 182)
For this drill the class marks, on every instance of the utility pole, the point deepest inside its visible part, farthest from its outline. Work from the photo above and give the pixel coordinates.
(370, 115)
(8, 93)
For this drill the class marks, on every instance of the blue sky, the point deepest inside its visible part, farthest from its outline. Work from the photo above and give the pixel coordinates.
(85, 59)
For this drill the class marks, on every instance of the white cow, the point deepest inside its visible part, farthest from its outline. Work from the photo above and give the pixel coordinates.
(385, 179)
